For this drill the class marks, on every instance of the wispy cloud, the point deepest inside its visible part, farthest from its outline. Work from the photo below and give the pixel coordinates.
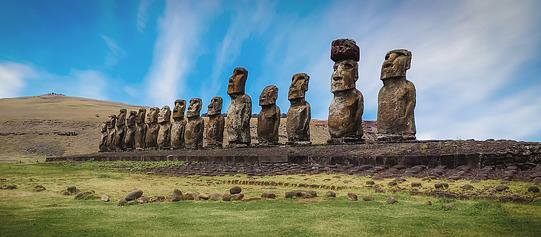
(114, 53)
(175, 48)
(13, 78)
(89, 84)
(142, 16)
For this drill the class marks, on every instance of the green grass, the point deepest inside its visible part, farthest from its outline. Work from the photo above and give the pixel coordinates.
(49, 213)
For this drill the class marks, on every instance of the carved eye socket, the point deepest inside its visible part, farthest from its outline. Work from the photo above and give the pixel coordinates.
(387, 57)
(348, 66)
(335, 67)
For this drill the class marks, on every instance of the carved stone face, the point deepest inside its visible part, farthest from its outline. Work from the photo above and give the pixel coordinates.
(195, 107)
(104, 126)
(396, 63)
(215, 106)
(130, 121)
(344, 76)
(268, 96)
(165, 115)
(112, 121)
(178, 111)
(299, 86)
(141, 116)
(237, 82)
(152, 116)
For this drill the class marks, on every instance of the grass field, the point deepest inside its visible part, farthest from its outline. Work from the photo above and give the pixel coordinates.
(49, 213)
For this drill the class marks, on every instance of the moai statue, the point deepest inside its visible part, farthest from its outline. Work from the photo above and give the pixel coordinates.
(111, 133)
(140, 129)
(179, 125)
(164, 134)
(215, 128)
(120, 129)
(268, 120)
(152, 128)
(193, 135)
(129, 138)
(346, 110)
(396, 99)
(237, 123)
(104, 134)
(298, 115)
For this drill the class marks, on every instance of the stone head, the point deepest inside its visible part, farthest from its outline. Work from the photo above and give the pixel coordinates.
(165, 115)
(268, 96)
(215, 106)
(195, 107)
(396, 63)
(344, 76)
(299, 86)
(152, 116)
(344, 49)
(178, 111)
(112, 121)
(237, 82)
(141, 116)
(130, 121)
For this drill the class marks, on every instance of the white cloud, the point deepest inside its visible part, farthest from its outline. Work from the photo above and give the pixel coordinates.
(114, 53)
(12, 78)
(89, 84)
(142, 16)
(179, 30)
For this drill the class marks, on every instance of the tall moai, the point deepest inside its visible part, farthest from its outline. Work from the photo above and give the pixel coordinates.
(111, 133)
(268, 120)
(179, 125)
(193, 135)
(346, 109)
(299, 114)
(215, 128)
(396, 99)
(152, 128)
(237, 123)
(104, 134)
(120, 129)
(140, 129)
(164, 134)
(129, 138)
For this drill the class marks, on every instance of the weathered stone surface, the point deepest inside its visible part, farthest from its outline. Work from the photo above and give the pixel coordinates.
(105, 198)
(84, 196)
(268, 120)
(164, 133)
(396, 99)
(111, 133)
(193, 136)
(299, 113)
(203, 196)
(215, 197)
(133, 195)
(344, 49)
(501, 188)
(140, 129)
(392, 200)
(235, 190)
(10, 186)
(441, 186)
(120, 130)
(268, 195)
(129, 137)
(533, 189)
(104, 133)
(368, 198)
(330, 194)
(370, 183)
(179, 125)
(346, 109)
(214, 134)
(238, 196)
(177, 195)
(72, 190)
(190, 196)
(240, 110)
(39, 188)
(226, 197)
(352, 197)
(152, 129)
(467, 187)
(416, 184)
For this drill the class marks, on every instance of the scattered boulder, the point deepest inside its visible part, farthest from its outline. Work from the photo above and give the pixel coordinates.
(268, 195)
(71, 190)
(501, 188)
(133, 195)
(400, 180)
(416, 184)
(391, 200)
(226, 197)
(10, 186)
(84, 196)
(189, 196)
(238, 196)
(309, 194)
(533, 189)
(143, 199)
(378, 190)
(392, 183)
(204, 196)
(330, 194)
(441, 185)
(467, 187)
(215, 197)
(370, 183)
(235, 190)
(447, 206)
(157, 199)
(352, 196)
(177, 195)
(368, 198)
(39, 188)
(105, 198)
(428, 203)
(291, 194)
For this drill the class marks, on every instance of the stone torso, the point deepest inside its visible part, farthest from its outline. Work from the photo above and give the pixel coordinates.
(151, 136)
(298, 122)
(194, 133)
(139, 136)
(129, 137)
(177, 134)
(396, 104)
(215, 130)
(164, 135)
(238, 120)
(268, 123)
(345, 113)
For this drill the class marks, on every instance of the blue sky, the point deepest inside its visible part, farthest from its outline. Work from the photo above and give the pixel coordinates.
(475, 64)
